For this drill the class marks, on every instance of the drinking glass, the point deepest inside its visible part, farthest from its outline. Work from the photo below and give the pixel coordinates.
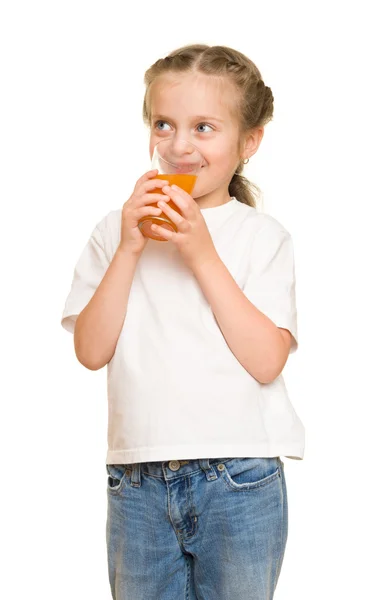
(178, 162)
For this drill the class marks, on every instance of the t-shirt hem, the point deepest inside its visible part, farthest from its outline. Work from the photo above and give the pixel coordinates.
(166, 453)
(72, 312)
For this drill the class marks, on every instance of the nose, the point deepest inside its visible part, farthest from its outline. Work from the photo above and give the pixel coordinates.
(181, 147)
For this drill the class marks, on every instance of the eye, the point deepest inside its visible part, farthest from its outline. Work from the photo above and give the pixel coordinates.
(159, 123)
(204, 125)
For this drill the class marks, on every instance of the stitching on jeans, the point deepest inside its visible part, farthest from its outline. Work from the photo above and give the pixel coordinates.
(119, 488)
(281, 531)
(193, 530)
(187, 587)
(248, 487)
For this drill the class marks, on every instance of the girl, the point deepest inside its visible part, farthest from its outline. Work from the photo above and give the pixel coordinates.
(195, 333)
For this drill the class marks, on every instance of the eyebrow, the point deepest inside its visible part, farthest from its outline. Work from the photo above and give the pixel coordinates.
(195, 118)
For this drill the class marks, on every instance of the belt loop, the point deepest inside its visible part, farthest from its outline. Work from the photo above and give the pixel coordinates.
(208, 469)
(136, 475)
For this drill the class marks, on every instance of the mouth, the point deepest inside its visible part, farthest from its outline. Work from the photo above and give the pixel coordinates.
(185, 168)
(188, 169)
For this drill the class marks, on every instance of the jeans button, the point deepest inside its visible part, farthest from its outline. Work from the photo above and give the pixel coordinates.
(174, 465)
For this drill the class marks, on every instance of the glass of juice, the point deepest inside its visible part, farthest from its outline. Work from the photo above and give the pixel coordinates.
(178, 162)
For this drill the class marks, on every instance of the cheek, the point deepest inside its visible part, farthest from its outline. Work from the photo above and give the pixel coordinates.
(153, 140)
(151, 147)
(222, 162)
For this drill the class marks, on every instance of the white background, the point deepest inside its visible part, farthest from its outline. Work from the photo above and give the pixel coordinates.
(72, 146)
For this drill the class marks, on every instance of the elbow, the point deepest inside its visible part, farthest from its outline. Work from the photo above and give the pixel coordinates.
(276, 361)
(91, 360)
(90, 364)
(264, 376)
(82, 349)
(95, 367)
(268, 378)
(269, 375)
(274, 368)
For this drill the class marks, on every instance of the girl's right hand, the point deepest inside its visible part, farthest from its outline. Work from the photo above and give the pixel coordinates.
(136, 207)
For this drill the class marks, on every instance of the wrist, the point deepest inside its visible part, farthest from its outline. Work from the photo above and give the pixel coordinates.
(203, 263)
(128, 253)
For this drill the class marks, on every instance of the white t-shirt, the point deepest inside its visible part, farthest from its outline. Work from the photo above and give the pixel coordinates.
(175, 389)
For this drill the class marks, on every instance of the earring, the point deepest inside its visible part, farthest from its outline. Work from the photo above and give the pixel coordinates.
(245, 163)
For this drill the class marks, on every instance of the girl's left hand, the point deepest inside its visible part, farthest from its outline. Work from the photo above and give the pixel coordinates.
(193, 240)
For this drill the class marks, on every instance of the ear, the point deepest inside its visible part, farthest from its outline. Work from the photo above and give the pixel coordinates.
(252, 142)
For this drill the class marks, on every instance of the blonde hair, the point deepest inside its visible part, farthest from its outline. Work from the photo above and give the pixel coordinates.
(254, 102)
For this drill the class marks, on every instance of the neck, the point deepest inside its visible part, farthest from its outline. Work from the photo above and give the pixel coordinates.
(215, 198)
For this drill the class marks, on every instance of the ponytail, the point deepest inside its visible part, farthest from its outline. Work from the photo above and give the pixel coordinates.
(242, 189)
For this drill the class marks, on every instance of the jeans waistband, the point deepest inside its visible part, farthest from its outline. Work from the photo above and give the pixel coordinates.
(175, 468)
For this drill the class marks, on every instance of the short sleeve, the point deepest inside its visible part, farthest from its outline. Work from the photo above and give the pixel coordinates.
(88, 274)
(271, 283)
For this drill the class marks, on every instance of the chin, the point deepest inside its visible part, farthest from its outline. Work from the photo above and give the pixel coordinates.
(198, 195)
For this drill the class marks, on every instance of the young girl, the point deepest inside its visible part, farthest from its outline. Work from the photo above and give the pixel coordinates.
(195, 332)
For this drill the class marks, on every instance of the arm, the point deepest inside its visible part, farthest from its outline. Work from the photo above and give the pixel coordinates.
(258, 344)
(99, 324)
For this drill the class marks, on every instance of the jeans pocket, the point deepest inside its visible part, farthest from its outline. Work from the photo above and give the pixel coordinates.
(116, 476)
(250, 473)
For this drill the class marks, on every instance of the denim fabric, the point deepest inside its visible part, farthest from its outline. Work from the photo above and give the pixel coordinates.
(206, 529)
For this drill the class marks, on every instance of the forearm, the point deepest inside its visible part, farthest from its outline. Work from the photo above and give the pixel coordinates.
(99, 324)
(252, 337)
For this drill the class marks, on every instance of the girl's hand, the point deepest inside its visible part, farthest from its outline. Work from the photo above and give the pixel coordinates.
(136, 207)
(193, 240)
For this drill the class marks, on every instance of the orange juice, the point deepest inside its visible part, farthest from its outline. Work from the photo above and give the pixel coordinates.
(183, 180)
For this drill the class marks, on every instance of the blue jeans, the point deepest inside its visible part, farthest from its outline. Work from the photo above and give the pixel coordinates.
(207, 529)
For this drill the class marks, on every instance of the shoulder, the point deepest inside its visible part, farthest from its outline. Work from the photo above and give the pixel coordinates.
(271, 243)
(109, 228)
(109, 222)
(258, 222)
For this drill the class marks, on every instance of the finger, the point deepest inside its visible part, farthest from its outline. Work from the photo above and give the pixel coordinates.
(162, 231)
(171, 213)
(150, 199)
(182, 193)
(147, 210)
(177, 198)
(147, 176)
(152, 184)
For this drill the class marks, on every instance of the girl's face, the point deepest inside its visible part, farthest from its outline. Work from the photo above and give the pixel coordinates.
(202, 109)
